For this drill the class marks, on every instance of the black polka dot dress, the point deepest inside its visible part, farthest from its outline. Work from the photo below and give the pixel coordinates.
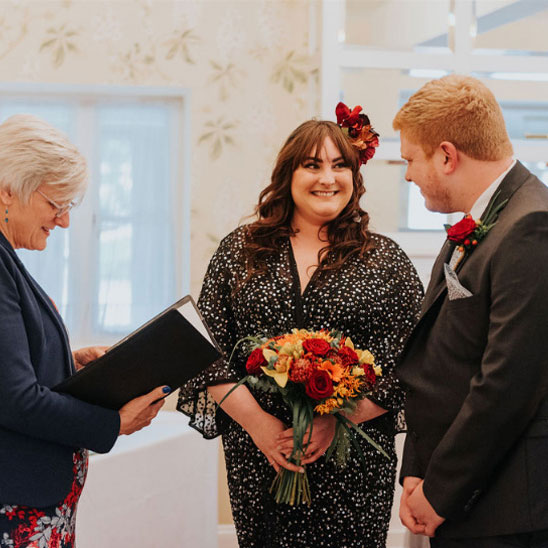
(375, 300)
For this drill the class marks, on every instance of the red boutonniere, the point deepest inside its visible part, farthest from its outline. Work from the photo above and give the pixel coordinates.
(467, 233)
(357, 128)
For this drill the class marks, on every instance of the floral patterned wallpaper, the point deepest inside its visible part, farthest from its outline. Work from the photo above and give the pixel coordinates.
(251, 66)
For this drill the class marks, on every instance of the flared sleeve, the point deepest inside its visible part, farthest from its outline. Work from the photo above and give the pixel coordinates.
(400, 302)
(215, 304)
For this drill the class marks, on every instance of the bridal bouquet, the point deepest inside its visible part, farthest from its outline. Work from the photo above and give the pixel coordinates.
(315, 372)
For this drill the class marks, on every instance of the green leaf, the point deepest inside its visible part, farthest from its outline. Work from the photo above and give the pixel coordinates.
(59, 56)
(356, 428)
(48, 43)
(217, 149)
(186, 55)
(299, 75)
(237, 385)
(205, 136)
(172, 51)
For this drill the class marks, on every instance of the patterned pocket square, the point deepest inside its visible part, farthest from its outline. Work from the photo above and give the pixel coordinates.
(455, 290)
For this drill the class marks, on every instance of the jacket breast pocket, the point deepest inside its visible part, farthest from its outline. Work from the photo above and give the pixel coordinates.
(461, 329)
(463, 303)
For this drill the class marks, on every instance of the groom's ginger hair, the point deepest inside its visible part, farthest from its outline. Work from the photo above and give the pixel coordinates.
(458, 109)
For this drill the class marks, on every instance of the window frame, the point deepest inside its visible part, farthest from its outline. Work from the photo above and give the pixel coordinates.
(86, 97)
(459, 57)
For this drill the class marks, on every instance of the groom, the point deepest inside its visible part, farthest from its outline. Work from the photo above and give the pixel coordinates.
(475, 369)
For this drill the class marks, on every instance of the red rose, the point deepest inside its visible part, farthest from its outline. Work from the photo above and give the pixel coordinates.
(370, 374)
(255, 362)
(461, 230)
(319, 385)
(319, 347)
(348, 356)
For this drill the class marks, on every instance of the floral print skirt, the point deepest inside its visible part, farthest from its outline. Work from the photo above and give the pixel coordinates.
(49, 527)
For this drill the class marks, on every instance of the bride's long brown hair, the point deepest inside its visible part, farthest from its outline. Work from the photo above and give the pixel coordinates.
(346, 236)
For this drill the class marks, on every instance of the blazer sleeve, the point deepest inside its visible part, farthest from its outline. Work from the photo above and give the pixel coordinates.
(505, 395)
(29, 408)
(410, 463)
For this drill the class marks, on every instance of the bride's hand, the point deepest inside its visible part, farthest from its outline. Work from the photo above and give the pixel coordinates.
(323, 431)
(264, 434)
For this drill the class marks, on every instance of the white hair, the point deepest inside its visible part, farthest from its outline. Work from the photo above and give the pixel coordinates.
(32, 153)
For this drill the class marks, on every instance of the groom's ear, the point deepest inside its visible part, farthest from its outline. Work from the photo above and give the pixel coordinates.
(449, 155)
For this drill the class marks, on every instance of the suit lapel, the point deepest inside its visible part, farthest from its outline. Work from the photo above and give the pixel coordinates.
(437, 286)
(437, 279)
(46, 302)
(513, 180)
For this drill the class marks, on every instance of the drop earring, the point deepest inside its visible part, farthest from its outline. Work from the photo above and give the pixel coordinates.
(357, 217)
(6, 217)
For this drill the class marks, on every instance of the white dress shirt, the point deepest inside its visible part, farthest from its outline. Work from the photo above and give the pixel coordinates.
(481, 203)
(477, 209)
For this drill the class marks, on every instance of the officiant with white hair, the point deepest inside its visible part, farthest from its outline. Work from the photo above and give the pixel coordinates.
(44, 435)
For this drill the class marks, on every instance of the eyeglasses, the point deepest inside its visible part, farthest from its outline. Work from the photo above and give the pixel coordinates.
(61, 210)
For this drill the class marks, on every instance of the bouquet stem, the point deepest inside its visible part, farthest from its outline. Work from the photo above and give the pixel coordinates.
(291, 488)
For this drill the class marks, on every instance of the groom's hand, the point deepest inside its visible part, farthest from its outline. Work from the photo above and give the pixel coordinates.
(423, 512)
(410, 483)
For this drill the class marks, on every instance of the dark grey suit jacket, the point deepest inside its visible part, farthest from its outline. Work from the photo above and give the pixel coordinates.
(476, 374)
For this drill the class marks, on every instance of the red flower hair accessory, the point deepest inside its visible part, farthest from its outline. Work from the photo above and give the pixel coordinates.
(356, 126)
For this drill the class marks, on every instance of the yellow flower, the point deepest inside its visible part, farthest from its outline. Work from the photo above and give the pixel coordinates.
(323, 335)
(268, 354)
(283, 364)
(358, 371)
(378, 370)
(348, 342)
(287, 348)
(279, 377)
(365, 357)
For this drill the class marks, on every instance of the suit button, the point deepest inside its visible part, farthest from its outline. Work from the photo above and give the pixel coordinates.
(414, 435)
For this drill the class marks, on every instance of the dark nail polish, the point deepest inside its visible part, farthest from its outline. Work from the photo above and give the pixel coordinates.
(166, 389)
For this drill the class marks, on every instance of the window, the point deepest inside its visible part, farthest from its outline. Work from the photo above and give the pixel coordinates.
(120, 261)
(502, 43)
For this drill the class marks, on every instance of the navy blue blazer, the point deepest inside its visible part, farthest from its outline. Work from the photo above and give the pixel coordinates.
(39, 429)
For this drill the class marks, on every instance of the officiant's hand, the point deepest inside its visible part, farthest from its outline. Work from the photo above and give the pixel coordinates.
(323, 431)
(140, 411)
(85, 355)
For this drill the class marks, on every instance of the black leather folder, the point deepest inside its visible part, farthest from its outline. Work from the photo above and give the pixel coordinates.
(169, 350)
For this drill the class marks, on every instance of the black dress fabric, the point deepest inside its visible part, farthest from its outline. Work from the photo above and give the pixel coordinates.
(375, 300)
